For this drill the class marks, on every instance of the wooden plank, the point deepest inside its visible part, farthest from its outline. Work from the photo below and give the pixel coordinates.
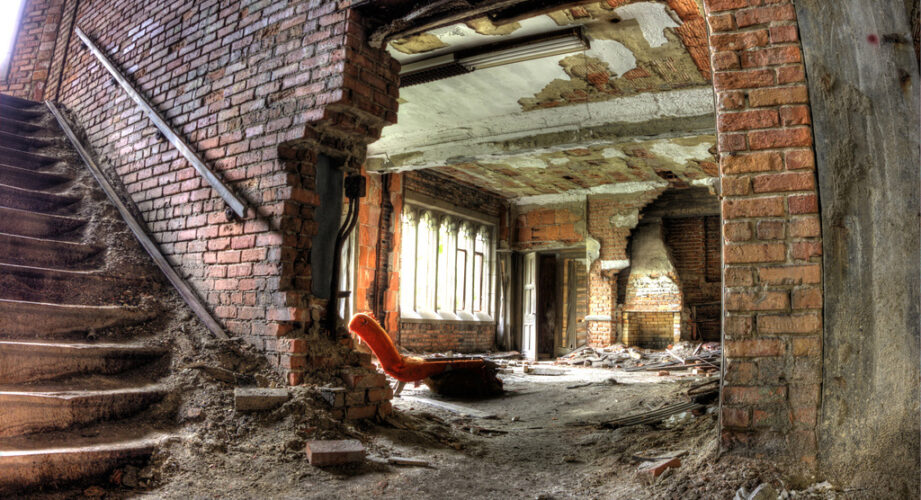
(453, 408)
(233, 201)
(149, 245)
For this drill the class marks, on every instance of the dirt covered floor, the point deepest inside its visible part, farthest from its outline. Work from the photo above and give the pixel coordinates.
(541, 440)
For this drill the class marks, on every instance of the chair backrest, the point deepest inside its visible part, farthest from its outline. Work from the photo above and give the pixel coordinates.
(377, 339)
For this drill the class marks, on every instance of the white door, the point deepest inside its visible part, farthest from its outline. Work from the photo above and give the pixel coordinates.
(529, 308)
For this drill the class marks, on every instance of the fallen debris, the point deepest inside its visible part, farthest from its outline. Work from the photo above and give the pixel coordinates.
(335, 452)
(410, 462)
(650, 471)
(764, 491)
(651, 417)
(544, 371)
(258, 398)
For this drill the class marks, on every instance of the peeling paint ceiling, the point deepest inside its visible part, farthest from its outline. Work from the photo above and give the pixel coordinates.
(676, 161)
(644, 63)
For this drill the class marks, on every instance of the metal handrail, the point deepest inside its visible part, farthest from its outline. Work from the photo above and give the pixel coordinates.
(186, 291)
(233, 201)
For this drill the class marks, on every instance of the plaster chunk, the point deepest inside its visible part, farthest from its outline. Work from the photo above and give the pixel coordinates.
(418, 44)
(627, 220)
(484, 26)
(682, 151)
(653, 19)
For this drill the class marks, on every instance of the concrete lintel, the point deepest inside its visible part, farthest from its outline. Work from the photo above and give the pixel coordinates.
(665, 115)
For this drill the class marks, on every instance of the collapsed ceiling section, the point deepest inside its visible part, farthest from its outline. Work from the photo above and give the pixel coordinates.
(571, 101)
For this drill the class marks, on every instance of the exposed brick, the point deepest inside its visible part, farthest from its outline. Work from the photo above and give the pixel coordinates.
(807, 298)
(752, 207)
(769, 324)
(754, 162)
(738, 276)
(736, 417)
(738, 41)
(757, 301)
(804, 250)
(778, 96)
(765, 15)
(744, 79)
(722, 5)
(780, 138)
(737, 231)
(790, 275)
(771, 56)
(803, 204)
(748, 120)
(735, 186)
(771, 230)
(805, 227)
(807, 346)
(790, 181)
(755, 252)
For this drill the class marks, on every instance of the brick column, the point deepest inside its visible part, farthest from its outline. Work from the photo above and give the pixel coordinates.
(772, 247)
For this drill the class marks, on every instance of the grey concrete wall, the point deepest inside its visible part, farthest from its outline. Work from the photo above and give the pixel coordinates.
(863, 83)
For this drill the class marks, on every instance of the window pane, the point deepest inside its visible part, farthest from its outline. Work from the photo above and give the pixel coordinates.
(408, 263)
(477, 282)
(461, 279)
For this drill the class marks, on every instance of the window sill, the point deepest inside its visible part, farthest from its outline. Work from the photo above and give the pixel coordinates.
(419, 320)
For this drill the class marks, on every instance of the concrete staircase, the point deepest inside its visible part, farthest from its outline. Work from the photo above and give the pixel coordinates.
(62, 391)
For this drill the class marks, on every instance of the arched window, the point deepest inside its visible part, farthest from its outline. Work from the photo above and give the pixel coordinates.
(446, 268)
(408, 262)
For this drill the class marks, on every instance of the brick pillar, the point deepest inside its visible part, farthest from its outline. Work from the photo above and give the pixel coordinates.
(772, 247)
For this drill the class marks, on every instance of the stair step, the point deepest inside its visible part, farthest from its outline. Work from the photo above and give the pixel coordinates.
(22, 362)
(40, 284)
(29, 412)
(15, 140)
(25, 159)
(30, 179)
(53, 460)
(37, 224)
(28, 251)
(21, 319)
(37, 201)
(20, 127)
(20, 112)
(18, 102)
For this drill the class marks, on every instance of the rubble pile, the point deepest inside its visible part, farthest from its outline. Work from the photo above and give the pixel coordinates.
(702, 358)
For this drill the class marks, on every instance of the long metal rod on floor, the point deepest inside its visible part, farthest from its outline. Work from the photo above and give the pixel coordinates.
(189, 295)
(233, 201)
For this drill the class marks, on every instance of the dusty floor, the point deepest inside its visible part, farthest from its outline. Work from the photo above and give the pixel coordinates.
(542, 443)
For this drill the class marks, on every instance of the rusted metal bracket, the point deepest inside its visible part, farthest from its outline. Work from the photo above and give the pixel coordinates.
(188, 295)
(235, 203)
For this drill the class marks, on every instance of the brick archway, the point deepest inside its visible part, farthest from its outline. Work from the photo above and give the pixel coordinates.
(772, 247)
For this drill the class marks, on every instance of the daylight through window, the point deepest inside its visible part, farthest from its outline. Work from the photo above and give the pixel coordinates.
(446, 267)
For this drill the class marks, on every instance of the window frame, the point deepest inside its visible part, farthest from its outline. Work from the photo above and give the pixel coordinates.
(447, 261)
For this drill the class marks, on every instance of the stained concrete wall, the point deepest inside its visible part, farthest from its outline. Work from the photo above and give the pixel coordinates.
(863, 83)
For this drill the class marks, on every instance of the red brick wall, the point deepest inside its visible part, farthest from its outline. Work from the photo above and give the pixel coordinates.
(651, 330)
(34, 49)
(772, 241)
(694, 243)
(603, 211)
(447, 336)
(259, 90)
(548, 227)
